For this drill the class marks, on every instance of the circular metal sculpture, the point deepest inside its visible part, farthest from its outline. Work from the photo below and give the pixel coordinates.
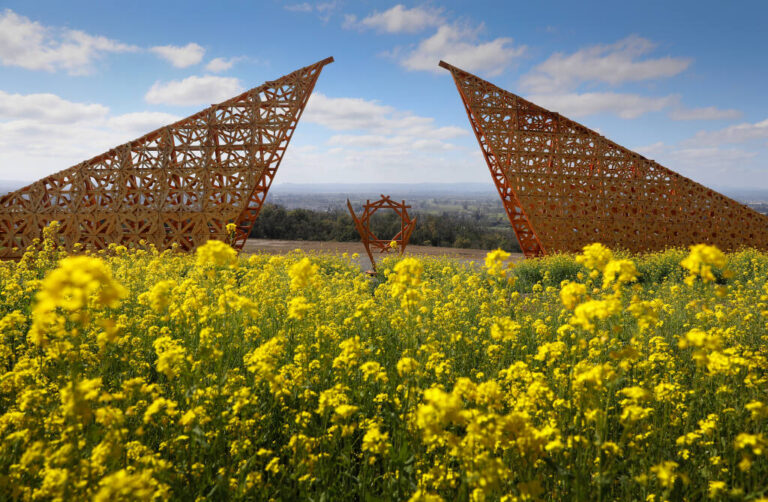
(363, 225)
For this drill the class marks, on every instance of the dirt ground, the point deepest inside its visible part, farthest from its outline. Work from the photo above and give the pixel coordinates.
(271, 246)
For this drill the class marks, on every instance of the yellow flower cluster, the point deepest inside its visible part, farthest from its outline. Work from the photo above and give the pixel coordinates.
(595, 258)
(406, 279)
(700, 262)
(131, 373)
(216, 254)
(496, 262)
(302, 273)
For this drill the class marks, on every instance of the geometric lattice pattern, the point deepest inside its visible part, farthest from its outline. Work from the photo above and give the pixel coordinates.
(564, 185)
(373, 243)
(181, 184)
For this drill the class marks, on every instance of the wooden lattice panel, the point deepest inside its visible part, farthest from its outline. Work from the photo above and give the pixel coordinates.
(564, 185)
(180, 184)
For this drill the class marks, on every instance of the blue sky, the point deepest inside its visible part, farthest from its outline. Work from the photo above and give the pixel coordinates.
(683, 83)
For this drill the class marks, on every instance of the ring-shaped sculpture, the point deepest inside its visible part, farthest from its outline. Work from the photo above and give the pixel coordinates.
(370, 241)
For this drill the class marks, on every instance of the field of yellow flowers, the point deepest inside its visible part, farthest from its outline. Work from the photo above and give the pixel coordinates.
(135, 374)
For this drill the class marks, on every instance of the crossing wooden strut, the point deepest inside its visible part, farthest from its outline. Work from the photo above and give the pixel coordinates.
(373, 243)
(564, 185)
(179, 185)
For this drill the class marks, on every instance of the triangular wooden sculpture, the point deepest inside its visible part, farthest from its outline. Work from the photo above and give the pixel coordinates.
(180, 184)
(564, 186)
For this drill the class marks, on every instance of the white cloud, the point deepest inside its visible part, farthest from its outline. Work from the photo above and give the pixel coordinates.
(323, 9)
(381, 164)
(553, 82)
(740, 133)
(194, 90)
(370, 117)
(300, 7)
(377, 142)
(652, 150)
(180, 56)
(626, 106)
(341, 114)
(218, 65)
(28, 44)
(710, 165)
(49, 108)
(31, 148)
(44, 133)
(613, 64)
(367, 141)
(716, 167)
(711, 157)
(398, 19)
(706, 113)
(460, 47)
(140, 123)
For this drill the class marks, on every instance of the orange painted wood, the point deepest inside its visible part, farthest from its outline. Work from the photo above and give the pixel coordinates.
(373, 243)
(564, 185)
(179, 185)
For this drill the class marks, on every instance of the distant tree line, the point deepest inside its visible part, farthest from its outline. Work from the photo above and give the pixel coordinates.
(446, 229)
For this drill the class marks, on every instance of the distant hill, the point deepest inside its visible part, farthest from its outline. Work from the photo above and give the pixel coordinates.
(385, 188)
(745, 195)
(750, 196)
